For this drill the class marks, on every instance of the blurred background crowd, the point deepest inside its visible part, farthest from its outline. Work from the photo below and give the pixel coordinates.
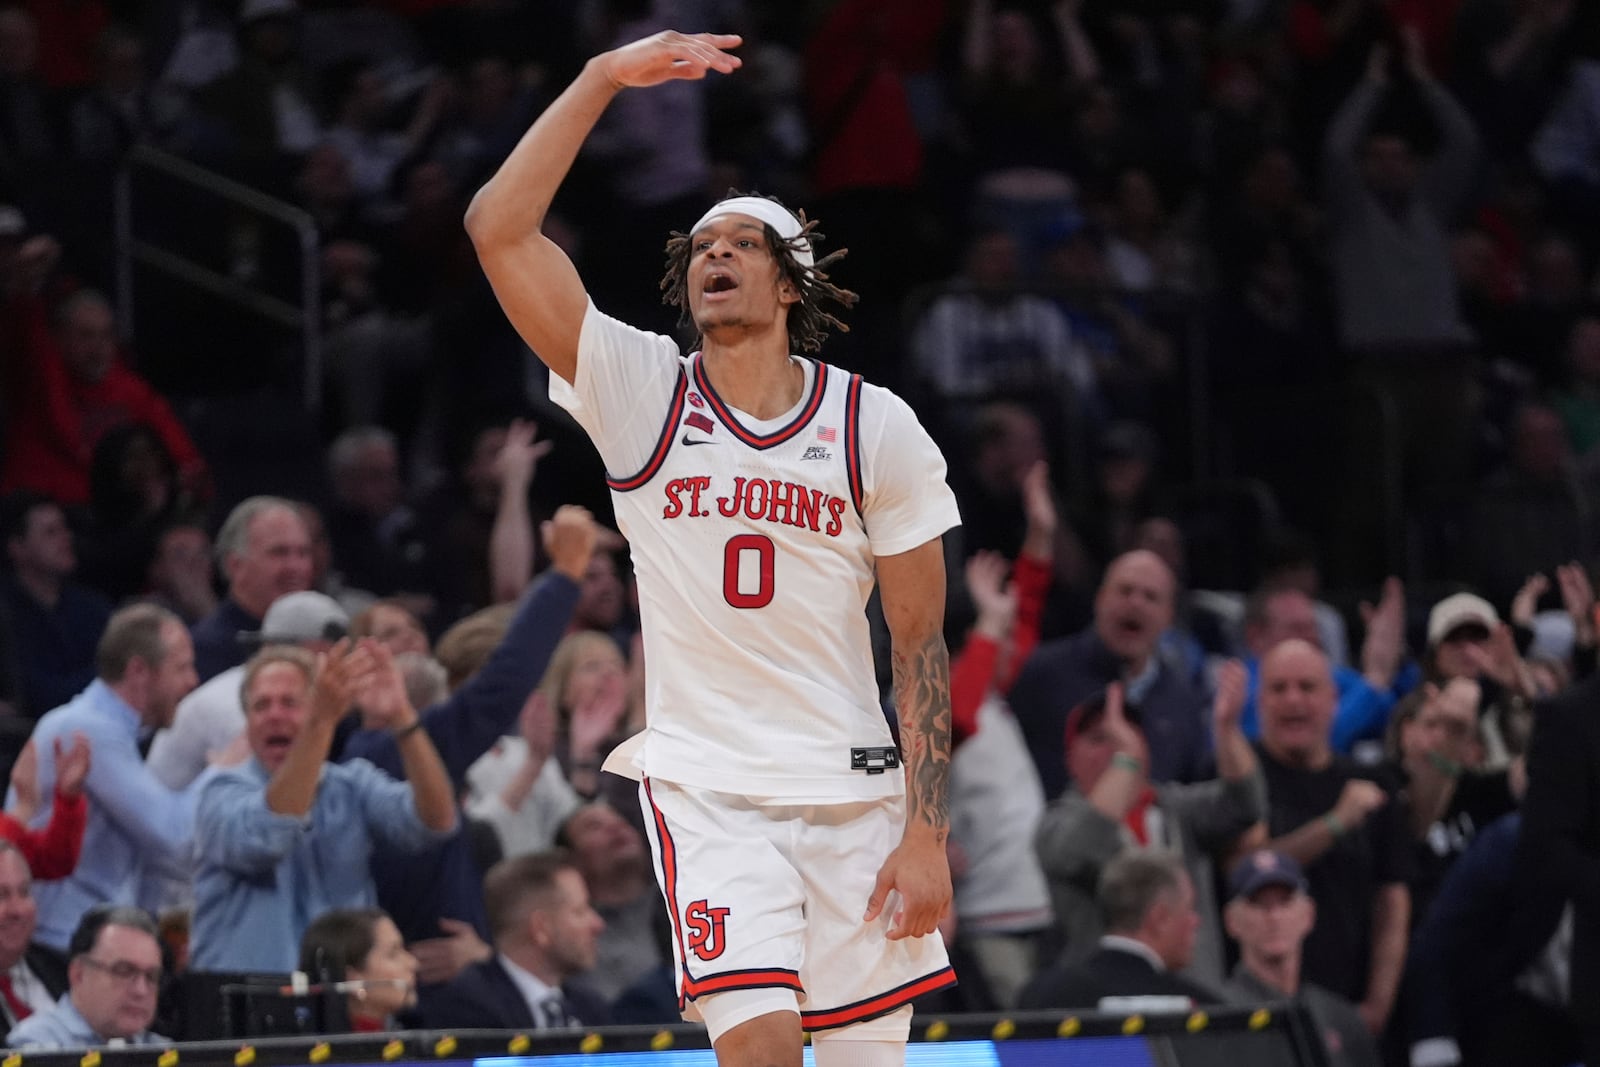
(1262, 338)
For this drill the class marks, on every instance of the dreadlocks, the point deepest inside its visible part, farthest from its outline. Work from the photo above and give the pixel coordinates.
(809, 320)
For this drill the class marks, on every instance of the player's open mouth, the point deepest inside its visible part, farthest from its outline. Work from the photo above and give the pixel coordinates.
(719, 283)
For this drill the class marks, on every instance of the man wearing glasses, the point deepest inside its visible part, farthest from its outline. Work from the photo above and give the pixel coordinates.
(114, 977)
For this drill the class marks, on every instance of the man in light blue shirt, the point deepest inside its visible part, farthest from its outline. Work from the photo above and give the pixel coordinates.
(114, 977)
(144, 665)
(287, 836)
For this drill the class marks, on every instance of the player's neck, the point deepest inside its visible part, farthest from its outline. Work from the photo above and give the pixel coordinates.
(762, 381)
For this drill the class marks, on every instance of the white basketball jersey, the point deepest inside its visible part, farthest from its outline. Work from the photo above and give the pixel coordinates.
(753, 546)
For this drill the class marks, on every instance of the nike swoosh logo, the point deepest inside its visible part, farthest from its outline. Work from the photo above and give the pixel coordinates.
(691, 441)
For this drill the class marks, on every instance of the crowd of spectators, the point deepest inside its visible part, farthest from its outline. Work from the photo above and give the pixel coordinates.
(1263, 340)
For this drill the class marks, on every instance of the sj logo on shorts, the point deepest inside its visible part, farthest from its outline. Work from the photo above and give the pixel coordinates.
(706, 927)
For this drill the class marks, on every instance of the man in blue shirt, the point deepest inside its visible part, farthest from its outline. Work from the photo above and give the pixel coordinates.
(113, 978)
(286, 836)
(137, 826)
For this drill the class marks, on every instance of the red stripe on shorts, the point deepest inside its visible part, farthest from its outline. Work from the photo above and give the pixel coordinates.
(669, 880)
(695, 988)
(882, 1004)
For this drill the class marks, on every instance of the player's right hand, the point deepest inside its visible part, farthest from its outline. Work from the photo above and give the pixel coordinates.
(669, 55)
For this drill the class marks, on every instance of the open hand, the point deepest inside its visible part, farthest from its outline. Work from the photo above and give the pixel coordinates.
(519, 456)
(668, 55)
(381, 691)
(340, 674)
(596, 718)
(1577, 596)
(992, 595)
(1233, 685)
(72, 764)
(1526, 602)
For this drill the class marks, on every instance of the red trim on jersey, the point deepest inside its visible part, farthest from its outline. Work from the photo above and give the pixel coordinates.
(852, 439)
(669, 429)
(669, 881)
(882, 1004)
(725, 413)
(754, 978)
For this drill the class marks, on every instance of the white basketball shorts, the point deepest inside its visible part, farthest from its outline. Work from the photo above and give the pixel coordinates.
(766, 895)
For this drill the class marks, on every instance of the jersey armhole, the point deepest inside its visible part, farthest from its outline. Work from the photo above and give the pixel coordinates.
(669, 426)
(852, 442)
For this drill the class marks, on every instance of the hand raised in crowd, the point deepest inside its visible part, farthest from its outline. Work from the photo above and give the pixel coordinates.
(1577, 597)
(669, 55)
(1039, 508)
(1526, 603)
(25, 784)
(1119, 731)
(519, 456)
(1499, 659)
(570, 538)
(1384, 646)
(341, 674)
(72, 764)
(596, 717)
(381, 691)
(1358, 800)
(1233, 686)
(536, 724)
(1459, 699)
(992, 594)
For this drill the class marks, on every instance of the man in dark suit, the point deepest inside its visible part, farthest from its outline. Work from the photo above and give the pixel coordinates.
(1560, 847)
(32, 976)
(545, 932)
(1131, 611)
(1150, 921)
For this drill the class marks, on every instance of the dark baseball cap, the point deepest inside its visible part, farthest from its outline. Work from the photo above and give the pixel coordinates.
(1262, 868)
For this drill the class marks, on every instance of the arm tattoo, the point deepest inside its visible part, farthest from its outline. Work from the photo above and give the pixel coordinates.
(922, 700)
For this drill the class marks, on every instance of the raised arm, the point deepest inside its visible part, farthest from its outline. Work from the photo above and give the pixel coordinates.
(384, 703)
(511, 538)
(912, 587)
(534, 280)
(292, 789)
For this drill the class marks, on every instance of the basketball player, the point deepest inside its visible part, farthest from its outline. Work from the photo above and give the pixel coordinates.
(761, 492)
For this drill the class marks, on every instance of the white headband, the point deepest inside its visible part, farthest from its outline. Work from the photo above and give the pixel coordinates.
(773, 214)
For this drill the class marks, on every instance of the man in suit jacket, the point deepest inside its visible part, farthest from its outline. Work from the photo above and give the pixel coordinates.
(545, 932)
(32, 976)
(1560, 847)
(1150, 921)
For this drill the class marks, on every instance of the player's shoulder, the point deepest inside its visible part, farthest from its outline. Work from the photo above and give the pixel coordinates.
(605, 333)
(877, 402)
